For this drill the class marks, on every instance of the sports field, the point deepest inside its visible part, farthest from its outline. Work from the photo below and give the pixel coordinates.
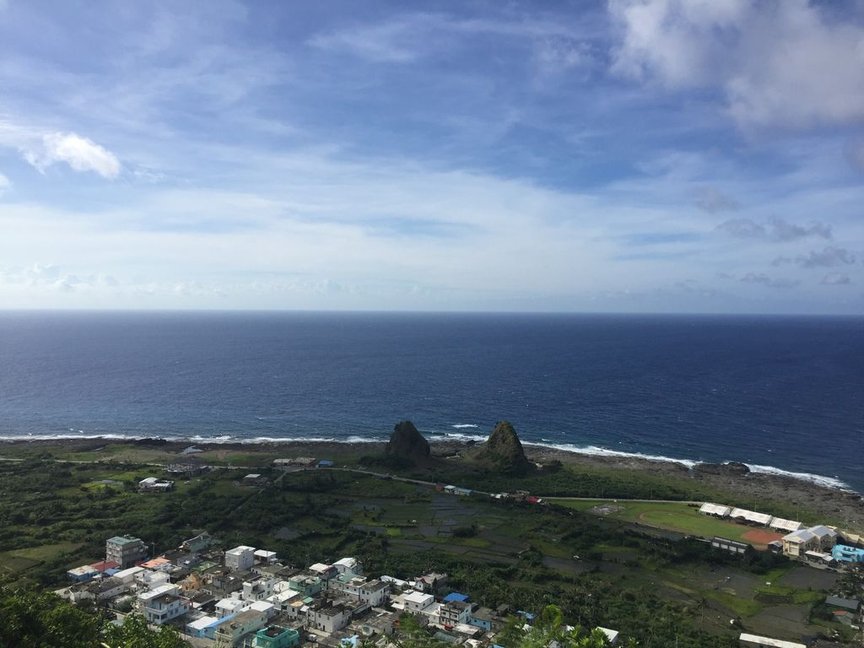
(672, 516)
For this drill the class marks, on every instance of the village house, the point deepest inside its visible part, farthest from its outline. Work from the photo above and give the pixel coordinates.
(162, 604)
(453, 613)
(198, 543)
(328, 616)
(275, 636)
(229, 633)
(155, 485)
(370, 593)
(240, 558)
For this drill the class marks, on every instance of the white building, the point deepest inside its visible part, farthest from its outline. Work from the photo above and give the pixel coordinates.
(128, 575)
(718, 510)
(228, 606)
(240, 558)
(372, 593)
(162, 604)
(348, 566)
(265, 557)
(753, 517)
(154, 484)
(416, 602)
(329, 618)
(258, 589)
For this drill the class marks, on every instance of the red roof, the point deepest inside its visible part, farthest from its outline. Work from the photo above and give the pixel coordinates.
(105, 565)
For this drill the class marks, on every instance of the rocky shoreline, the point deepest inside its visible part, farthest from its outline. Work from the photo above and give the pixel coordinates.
(736, 479)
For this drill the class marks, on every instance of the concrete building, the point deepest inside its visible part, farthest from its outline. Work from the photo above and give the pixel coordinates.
(372, 593)
(453, 613)
(125, 550)
(329, 617)
(162, 604)
(108, 588)
(264, 557)
(416, 602)
(232, 632)
(203, 627)
(82, 574)
(348, 566)
(732, 546)
(817, 538)
(275, 636)
(227, 607)
(306, 585)
(240, 558)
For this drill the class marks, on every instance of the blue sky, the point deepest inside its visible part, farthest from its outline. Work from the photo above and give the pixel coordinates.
(626, 156)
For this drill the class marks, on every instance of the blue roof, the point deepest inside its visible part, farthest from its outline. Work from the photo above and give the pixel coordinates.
(455, 596)
(325, 462)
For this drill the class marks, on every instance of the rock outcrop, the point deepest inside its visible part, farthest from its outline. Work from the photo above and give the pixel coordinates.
(503, 451)
(406, 442)
(728, 469)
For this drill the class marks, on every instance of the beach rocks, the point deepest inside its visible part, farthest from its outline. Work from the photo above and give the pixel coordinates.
(406, 442)
(729, 469)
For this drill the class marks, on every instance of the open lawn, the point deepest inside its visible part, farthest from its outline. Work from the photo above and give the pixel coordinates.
(19, 560)
(672, 516)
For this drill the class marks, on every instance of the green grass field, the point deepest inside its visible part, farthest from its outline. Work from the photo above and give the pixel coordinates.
(672, 516)
(19, 560)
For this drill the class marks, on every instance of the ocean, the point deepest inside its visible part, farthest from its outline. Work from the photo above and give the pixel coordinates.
(782, 394)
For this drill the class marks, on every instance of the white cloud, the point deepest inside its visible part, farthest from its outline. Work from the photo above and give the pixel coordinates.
(777, 63)
(5, 183)
(80, 153)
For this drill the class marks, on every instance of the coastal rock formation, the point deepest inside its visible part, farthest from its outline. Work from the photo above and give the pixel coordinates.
(406, 442)
(728, 469)
(503, 451)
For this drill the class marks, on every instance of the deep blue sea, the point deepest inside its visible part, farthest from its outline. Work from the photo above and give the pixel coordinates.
(779, 393)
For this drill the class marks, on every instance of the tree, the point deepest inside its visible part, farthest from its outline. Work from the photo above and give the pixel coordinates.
(134, 633)
(30, 619)
(549, 629)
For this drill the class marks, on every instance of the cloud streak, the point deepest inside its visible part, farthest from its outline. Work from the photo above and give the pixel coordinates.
(765, 280)
(775, 230)
(829, 257)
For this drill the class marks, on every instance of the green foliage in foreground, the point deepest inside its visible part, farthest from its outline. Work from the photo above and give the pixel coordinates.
(31, 619)
(548, 627)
